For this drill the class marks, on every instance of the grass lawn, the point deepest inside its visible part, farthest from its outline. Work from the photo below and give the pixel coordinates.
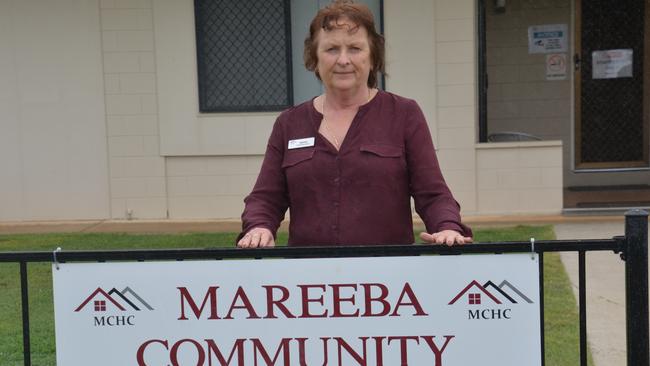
(561, 318)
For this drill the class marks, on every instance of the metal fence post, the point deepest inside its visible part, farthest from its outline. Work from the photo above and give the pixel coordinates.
(636, 287)
(24, 290)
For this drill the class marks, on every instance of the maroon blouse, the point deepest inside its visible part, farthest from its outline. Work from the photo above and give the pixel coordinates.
(360, 194)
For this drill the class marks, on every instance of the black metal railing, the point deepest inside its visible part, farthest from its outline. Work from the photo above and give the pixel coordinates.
(632, 247)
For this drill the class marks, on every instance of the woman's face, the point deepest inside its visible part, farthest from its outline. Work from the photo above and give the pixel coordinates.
(344, 60)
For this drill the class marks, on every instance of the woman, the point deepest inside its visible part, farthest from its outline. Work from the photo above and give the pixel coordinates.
(347, 162)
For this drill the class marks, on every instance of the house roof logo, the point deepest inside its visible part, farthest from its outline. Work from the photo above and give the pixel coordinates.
(505, 292)
(124, 300)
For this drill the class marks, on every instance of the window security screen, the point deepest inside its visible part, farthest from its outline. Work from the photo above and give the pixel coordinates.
(243, 55)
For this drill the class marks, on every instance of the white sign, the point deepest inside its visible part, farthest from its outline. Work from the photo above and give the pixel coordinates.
(612, 64)
(550, 38)
(427, 310)
(556, 66)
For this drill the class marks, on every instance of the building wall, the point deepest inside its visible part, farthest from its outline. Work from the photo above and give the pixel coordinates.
(137, 170)
(433, 62)
(510, 178)
(53, 160)
(520, 177)
(456, 64)
(210, 187)
(448, 102)
(520, 99)
(144, 150)
(212, 159)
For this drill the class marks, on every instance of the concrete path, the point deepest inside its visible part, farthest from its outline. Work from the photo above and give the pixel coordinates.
(605, 279)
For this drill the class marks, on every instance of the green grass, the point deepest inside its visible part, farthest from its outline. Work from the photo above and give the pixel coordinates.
(561, 325)
(561, 318)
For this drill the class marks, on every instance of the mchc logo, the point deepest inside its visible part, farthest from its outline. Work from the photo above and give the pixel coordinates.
(490, 299)
(105, 303)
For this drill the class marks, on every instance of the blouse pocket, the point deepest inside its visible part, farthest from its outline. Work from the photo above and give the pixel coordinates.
(294, 157)
(298, 171)
(384, 151)
(379, 162)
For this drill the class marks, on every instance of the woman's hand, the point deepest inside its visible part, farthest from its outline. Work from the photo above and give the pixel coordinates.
(257, 237)
(449, 237)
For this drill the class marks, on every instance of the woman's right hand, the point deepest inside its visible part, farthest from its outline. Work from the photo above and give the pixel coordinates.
(257, 237)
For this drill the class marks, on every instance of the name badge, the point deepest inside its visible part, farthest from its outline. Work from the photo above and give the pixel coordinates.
(300, 143)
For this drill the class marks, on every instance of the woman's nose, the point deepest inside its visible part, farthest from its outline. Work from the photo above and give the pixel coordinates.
(343, 59)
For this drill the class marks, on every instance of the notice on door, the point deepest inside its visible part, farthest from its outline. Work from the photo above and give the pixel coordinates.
(611, 64)
(556, 66)
(550, 38)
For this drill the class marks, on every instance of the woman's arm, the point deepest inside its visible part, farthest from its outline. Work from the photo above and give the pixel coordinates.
(433, 199)
(268, 202)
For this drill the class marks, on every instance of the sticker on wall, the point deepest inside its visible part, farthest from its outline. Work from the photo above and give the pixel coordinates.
(550, 38)
(556, 66)
(611, 64)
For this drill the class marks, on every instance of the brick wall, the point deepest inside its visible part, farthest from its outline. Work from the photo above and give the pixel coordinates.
(53, 153)
(208, 187)
(455, 63)
(137, 171)
(520, 177)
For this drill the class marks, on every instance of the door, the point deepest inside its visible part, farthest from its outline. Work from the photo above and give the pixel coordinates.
(611, 84)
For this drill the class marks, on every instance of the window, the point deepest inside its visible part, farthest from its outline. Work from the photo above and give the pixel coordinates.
(100, 305)
(475, 299)
(243, 55)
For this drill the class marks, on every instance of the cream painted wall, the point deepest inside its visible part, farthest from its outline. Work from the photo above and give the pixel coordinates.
(410, 53)
(431, 58)
(516, 178)
(210, 186)
(53, 162)
(137, 171)
(456, 64)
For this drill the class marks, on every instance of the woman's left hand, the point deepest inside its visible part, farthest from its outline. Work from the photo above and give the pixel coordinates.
(449, 237)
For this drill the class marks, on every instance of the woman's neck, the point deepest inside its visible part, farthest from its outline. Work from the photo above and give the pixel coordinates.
(347, 99)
